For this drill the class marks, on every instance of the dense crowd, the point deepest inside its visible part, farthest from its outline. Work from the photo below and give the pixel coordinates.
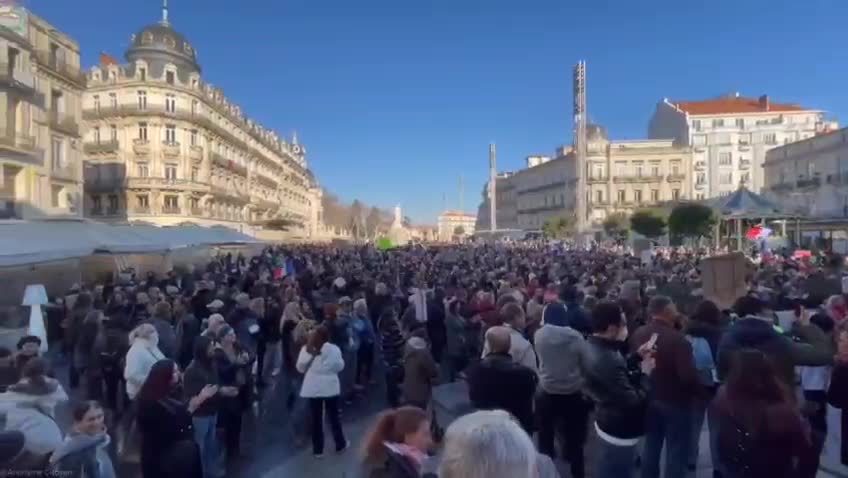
(568, 346)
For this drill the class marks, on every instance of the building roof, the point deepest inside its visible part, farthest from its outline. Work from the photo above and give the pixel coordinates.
(457, 214)
(736, 105)
(161, 42)
(744, 204)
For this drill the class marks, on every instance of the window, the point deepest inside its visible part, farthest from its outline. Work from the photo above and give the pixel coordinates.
(114, 132)
(675, 168)
(96, 102)
(170, 134)
(699, 196)
(193, 203)
(696, 125)
(675, 194)
(639, 169)
(745, 178)
(655, 170)
(170, 103)
(194, 107)
(699, 140)
(725, 178)
(195, 173)
(56, 195)
(142, 100)
(96, 205)
(740, 123)
(58, 153)
(599, 197)
(143, 201)
(172, 202)
(701, 178)
(770, 138)
(113, 100)
(620, 168)
(169, 77)
(96, 132)
(718, 123)
(171, 172)
(745, 138)
(113, 203)
(637, 195)
(655, 195)
(143, 170)
(622, 195)
(598, 171)
(193, 137)
(725, 159)
(142, 74)
(142, 131)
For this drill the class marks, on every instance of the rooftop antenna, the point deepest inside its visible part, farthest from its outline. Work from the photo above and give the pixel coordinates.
(165, 12)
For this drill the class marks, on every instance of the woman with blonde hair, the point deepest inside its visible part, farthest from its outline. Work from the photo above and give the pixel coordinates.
(143, 354)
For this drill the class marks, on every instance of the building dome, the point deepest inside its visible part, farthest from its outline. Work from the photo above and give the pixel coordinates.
(158, 45)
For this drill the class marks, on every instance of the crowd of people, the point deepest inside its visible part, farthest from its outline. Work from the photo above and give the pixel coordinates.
(556, 346)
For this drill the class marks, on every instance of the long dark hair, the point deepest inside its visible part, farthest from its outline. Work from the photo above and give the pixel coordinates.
(158, 384)
(752, 389)
(707, 312)
(392, 426)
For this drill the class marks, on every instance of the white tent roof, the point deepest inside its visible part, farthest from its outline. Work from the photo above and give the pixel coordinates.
(28, 242)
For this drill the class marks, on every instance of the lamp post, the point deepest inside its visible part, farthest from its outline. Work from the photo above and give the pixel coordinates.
(35, 296)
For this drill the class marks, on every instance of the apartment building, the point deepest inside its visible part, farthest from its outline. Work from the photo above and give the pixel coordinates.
(41, 86)
(449, 221)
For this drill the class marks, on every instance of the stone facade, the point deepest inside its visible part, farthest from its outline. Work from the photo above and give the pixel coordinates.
(40, 92)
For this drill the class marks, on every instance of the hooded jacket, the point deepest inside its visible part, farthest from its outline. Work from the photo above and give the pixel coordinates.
(83, 456)
(560, 350)
(756, 333)
(140, 359)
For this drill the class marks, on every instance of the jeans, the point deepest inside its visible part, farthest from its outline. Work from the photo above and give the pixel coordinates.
(451, 367)
(613, 461)
(699, 413)
(272, 355)
(317, 407)
(364, 363)
(206, 436)
(670, 424)
(815, 410)
(567, 416)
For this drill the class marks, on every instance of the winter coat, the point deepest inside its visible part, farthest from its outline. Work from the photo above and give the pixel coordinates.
(520, 349)
(675, 379)
(188, 329)
(560, 350)
(83, 456)
(420, 372)
(499, 383)
(200, 373)
(46, 398)
(167, 336)
(42, 434)
(321, 372)
(457, 339)
(168, 449)
(140, 359)
(753, 332)
(110, 349)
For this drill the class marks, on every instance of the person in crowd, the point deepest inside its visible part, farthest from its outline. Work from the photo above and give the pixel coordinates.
(213, 325)
(577, 318)
(398, 444)
(435, 324)
(379, 302)
(233, 362)
(535, 308)
(420, 371)
(837, 392)
(321, 362)
(245, 322)
(342, 336)
(491, 444)
(393, 350)
(109, 350)
(142, 354)
(85, 362)
(269, 339)
(162, 320)
(168, 447)
(187, 331)
(521, 350)
(754, 329)
(80, 309)
(619, 388)
(500, 383)
(9, 373)
(29, 347)
(364, 329)
(675, 390)
(84, 454)
(36, 388)
(704, 330)
(761, 432)
(202, 372)
(456, 350)
(814, 383)
(560, 406)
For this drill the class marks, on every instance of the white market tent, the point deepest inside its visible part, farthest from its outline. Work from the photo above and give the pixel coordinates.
(32, 242)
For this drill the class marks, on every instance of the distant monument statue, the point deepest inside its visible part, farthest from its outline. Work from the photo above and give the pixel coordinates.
(397, 232)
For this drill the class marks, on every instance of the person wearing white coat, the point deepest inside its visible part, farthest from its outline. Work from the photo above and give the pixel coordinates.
(143, 353)
(320, 362)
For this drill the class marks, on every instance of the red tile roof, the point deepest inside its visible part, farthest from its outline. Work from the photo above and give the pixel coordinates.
(734, 105)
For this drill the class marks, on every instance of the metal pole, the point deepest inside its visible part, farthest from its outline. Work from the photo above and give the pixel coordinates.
(493, 188)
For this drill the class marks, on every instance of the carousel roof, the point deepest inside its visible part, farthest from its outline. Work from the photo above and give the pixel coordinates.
(745, 204)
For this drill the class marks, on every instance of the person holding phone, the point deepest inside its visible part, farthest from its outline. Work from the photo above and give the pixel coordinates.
(676, 387)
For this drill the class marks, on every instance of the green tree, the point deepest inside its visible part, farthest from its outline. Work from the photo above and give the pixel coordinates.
(615, 225)
(459, 231)
(560, 228)
(691, 221)
(648, 223)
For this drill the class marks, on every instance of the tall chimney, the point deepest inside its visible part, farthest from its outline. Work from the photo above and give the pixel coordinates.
(764, 102)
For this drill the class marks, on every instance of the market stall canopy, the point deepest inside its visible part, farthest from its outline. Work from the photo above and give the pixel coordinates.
(744, 204)
(31, 242)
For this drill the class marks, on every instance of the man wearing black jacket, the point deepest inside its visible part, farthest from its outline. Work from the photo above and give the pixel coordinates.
(619, 388)
(498, 383)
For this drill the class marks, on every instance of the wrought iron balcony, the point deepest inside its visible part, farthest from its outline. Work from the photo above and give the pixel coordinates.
(597, 178)
(98, 147)
(61, 67)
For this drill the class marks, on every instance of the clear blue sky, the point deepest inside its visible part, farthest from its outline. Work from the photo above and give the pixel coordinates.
(395, 99)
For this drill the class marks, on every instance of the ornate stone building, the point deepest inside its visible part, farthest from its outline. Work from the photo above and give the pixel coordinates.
(165, 147)
(40, 93)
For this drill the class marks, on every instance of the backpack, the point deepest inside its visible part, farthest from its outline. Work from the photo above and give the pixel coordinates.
(704, 361)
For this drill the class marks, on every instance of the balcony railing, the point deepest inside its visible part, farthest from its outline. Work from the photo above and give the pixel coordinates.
(60, 66)
(141, 146)
(64, 122)
(219, 160)
(809, 183)
(19, 142)
(744, 164)
(97, 147)
(675, 177)
(141, 210)
(171, 210)
(195, 153)
(782, 187)
(171, 148)
(22, 81)
(197, 211)
(597, 178)
(637, 178)
(68, 172)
